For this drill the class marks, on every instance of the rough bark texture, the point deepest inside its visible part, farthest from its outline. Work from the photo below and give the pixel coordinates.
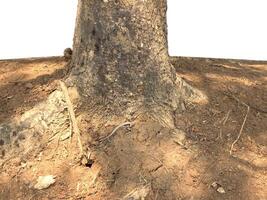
(120, 55)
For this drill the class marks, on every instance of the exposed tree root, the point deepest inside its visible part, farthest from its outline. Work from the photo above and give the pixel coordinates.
(190, 94)
(73, 120)
(38, 124)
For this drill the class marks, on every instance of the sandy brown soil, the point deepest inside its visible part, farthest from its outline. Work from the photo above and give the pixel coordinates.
(23, 83)
(147, 154)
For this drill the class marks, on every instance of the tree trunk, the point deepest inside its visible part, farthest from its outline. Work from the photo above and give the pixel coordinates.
(120, 56)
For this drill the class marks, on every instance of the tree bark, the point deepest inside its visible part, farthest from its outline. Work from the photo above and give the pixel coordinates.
(120, 56)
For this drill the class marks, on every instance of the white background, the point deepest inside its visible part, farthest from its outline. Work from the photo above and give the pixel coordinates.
(36, 28)
(199, 28)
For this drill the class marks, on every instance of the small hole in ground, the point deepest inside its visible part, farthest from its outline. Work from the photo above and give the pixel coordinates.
(2, 142)
(90, 163)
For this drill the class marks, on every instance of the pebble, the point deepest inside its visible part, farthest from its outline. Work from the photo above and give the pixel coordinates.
(221, 190)
(218, 187)
(29, 85)
(44, 182)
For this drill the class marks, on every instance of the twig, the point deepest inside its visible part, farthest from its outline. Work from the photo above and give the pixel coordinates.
(160, 162)
(114, 131)
(72, 115)
(242, 127)
(224, 122)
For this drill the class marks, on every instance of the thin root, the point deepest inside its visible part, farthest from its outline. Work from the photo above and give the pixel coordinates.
(243, 124)
(114, 131)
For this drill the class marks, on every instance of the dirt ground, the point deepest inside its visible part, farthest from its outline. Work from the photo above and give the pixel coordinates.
(148, 156)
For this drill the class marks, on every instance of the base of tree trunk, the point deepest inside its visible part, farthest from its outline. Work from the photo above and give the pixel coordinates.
(51, 117)
(127, 106)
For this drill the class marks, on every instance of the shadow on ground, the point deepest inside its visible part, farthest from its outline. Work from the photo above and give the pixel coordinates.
(25, 82)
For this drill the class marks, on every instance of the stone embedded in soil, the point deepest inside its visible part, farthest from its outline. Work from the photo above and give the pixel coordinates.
(221, 190)
(218, 187)
(215, 185)
(44, 182)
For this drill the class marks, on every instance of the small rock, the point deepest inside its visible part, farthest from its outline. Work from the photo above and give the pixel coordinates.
(214, 185)
(218, 187)
(221, 190)
(29, 86)
(23, 164)
(44, 182)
